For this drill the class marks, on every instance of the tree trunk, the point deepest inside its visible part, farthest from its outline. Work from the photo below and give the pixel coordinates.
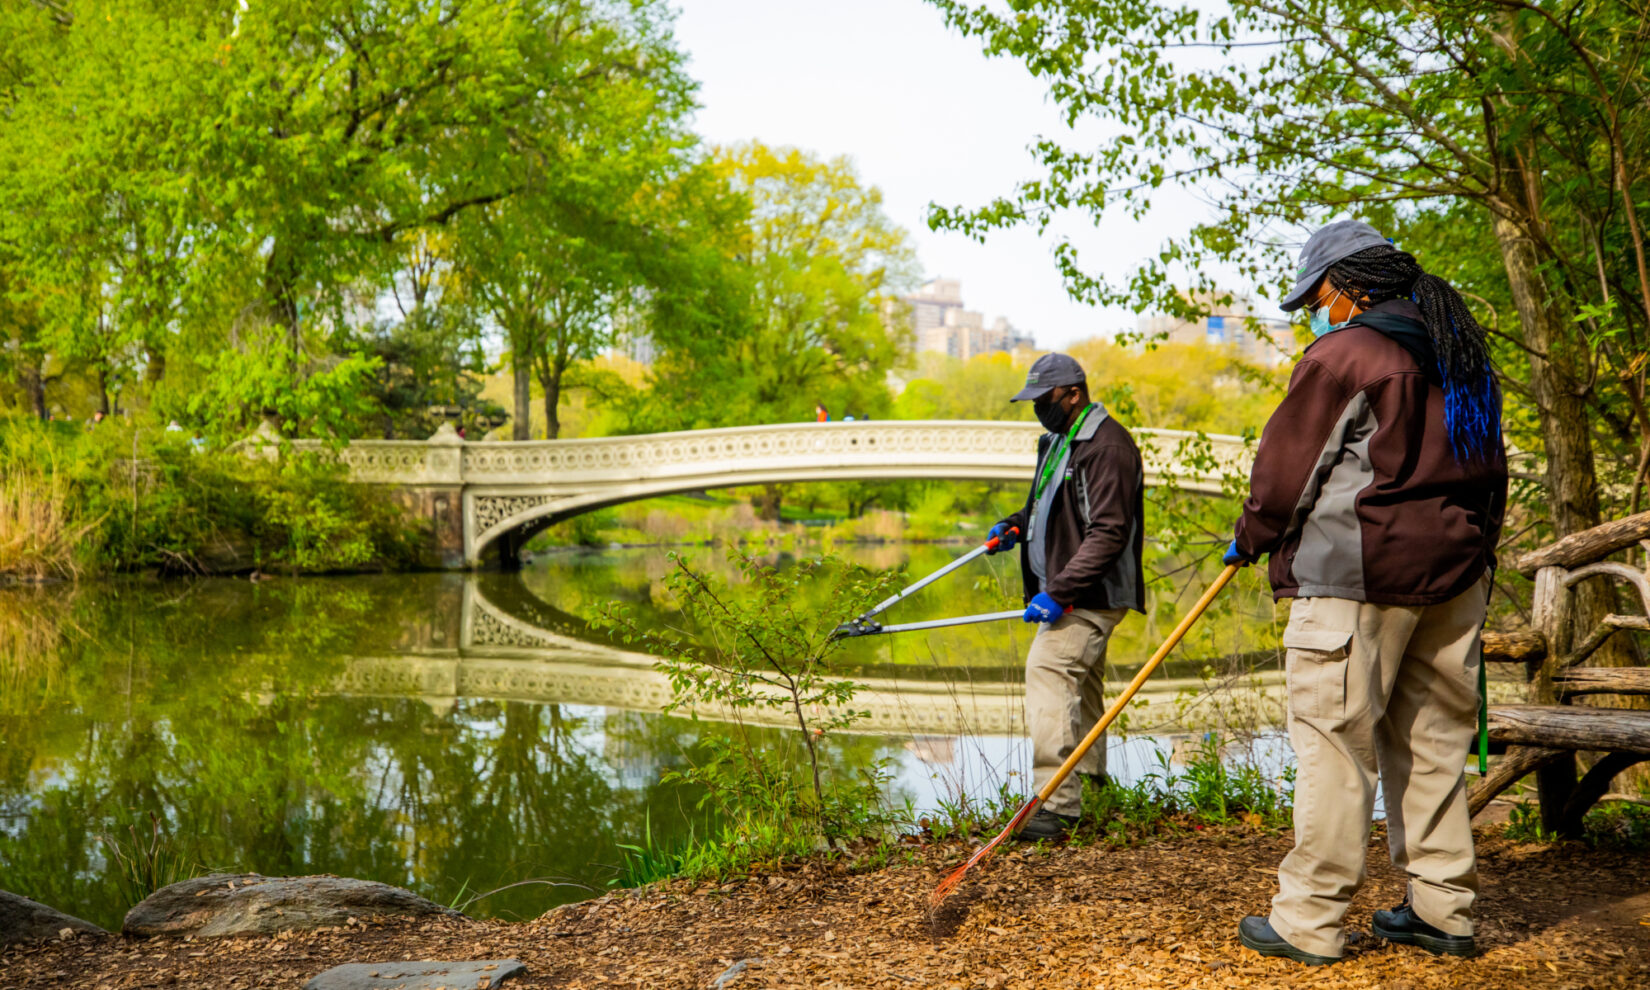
(1571, 479)
(768, 502)
(521, 424)
(34, 383)
(154, 368)
(550, 381)
(1551, 613)
(281, 295)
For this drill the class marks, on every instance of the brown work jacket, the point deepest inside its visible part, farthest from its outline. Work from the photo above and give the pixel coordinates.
(1356, 492)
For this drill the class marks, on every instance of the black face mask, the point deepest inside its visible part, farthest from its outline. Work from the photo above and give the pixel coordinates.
(1052, 416)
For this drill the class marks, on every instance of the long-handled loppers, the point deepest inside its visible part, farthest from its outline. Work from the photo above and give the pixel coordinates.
(950, 882)
(863, 626)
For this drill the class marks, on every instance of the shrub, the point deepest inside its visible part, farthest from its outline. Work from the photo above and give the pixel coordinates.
(754, 653)
(123, 498)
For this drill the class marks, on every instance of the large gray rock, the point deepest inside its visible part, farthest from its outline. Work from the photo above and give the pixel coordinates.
(228, 905)
(482, 974)
(23, 920)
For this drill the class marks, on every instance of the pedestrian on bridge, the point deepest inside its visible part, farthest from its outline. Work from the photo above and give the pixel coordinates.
(1080, 563)
(1378, 490)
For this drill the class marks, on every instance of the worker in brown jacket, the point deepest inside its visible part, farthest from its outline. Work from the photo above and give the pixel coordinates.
(1378, 490)
(1080, 564)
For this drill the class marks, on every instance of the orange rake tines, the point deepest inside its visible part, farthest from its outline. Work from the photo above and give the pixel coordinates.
(955, 877)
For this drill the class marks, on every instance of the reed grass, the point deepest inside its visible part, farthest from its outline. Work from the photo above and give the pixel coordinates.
(39, 528)
(144, 860)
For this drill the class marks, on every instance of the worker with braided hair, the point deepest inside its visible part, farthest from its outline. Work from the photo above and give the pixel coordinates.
(1378, 491)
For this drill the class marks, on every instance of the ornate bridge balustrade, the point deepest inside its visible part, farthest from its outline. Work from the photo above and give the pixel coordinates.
(488, 497)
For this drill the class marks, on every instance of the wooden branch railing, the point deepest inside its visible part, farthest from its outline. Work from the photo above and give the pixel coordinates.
(1544, 737)
(1603, 680)
(1587, 546)
(1523, 646)
(1572, 727)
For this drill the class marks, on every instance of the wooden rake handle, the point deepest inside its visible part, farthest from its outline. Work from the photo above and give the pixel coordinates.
(984, 853)
(1135, 685)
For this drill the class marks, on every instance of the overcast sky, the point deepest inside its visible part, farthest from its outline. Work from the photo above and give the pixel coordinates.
(927, 118)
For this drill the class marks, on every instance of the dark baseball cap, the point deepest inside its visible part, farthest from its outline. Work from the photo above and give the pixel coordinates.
(1331, 243)
(1048, 371)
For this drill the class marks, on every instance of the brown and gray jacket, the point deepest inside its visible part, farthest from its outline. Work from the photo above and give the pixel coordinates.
(1356, 492)
(1094, 526)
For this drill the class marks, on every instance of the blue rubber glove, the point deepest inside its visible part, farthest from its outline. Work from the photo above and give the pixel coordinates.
(1007, 537)
(1236, 556)
(1043, 608)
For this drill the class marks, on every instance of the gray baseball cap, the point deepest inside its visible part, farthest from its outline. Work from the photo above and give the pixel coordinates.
(1331, 243)
(1048, 371)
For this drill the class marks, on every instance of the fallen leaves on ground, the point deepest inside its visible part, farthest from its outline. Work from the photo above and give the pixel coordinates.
(1158, 915)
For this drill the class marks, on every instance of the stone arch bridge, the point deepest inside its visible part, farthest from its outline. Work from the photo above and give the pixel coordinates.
(486, 498)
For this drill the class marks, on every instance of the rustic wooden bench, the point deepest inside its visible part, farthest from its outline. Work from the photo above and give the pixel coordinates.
(1543, 737)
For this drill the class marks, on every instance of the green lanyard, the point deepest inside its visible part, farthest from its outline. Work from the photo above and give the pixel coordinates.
(1054, 455)
(1483, 718)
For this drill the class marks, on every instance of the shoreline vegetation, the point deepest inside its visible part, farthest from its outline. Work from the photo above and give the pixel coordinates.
(77, 504)
(137, 491)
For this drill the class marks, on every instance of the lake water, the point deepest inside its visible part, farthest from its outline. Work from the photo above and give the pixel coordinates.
(457, 733)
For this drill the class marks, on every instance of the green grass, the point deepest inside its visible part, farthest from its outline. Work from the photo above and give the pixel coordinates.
(1206, 792)
(145, 860)
(1617, 825)
(730, 850)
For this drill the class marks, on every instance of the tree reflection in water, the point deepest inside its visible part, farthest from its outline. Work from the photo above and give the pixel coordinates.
(216, 705)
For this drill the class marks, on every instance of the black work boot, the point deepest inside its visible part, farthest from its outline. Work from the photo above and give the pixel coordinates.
(1045, 824)
(1402, 924)
(1256, 932)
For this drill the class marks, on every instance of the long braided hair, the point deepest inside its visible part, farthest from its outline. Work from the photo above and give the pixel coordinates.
(1472, 401)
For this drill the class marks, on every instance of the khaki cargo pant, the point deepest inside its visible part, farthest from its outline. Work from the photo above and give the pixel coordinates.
(1393, 687)
(1065, 680)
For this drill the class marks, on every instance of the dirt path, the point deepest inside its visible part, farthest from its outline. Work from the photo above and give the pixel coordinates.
(1163, 915)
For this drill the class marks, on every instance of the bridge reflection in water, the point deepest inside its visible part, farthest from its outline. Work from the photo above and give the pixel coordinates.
(532, 652)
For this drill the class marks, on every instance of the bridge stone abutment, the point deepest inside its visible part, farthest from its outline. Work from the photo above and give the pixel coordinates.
(484, 500)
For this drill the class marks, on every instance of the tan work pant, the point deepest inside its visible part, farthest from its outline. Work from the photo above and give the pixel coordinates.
(1065, 681)
(1394, 687)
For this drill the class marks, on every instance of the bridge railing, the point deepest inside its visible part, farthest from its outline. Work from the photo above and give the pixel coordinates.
(981, 448)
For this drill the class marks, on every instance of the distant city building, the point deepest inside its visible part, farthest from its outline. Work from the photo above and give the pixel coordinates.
(638, 346)
(1232, 325)
(631, 335)
(940, 323)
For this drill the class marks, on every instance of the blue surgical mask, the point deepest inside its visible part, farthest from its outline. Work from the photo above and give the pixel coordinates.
(1320, 319)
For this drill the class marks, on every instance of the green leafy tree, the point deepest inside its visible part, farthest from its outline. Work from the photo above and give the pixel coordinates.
(1503, 141)
(818, 265)
(176, 178)
(554, 265)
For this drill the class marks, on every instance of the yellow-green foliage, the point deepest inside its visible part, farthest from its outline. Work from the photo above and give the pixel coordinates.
(667, 521)
(127, 496)
(1171, 386)
(39, 525)
(979, 388)
(1184, 386)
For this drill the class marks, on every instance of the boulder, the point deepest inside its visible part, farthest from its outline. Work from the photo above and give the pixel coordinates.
(23, 920)
(480, 974)
(224, 904)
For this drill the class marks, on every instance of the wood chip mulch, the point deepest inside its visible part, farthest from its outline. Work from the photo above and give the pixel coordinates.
(1158, 915)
